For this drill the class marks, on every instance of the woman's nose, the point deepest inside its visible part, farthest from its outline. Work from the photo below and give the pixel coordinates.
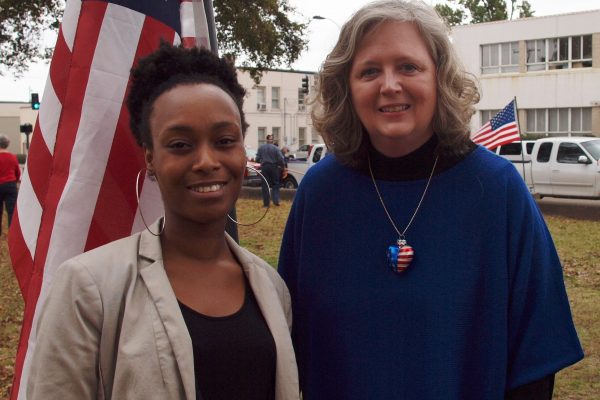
(206, 158)
(390, 83)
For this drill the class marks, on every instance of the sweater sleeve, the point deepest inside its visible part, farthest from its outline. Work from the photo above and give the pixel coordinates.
(541, 334)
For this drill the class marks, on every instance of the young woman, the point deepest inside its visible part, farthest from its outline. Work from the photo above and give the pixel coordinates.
(178, 311)
(418, 263)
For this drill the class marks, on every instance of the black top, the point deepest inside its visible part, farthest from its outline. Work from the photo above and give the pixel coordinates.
(417, 165)
(413, 166)
(234, 356)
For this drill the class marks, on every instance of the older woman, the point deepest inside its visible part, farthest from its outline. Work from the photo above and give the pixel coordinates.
(419, 265)
(178, 311)
(10, 173)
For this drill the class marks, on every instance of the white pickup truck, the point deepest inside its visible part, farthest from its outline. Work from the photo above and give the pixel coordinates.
(297, 169)
(558, 166)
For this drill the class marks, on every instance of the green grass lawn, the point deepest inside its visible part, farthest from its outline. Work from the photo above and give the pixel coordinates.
(578, 244)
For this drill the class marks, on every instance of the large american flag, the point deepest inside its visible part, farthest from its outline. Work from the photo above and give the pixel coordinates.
(501, 129)
(78, 188)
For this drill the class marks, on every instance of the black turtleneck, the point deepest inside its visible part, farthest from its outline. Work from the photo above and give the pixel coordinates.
(413, 166)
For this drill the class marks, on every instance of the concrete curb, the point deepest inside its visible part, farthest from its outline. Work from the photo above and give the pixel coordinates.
(256, 193)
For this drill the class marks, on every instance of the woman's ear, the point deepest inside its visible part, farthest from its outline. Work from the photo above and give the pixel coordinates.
(149, 157)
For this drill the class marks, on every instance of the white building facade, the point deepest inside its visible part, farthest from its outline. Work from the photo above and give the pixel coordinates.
(551, 65)
(277, 106)
(12, 116)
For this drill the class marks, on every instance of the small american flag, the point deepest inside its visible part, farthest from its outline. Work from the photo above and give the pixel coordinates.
(501, 129)
(78, 189)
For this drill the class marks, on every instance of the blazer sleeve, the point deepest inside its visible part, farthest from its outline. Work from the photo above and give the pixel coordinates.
(65, 361)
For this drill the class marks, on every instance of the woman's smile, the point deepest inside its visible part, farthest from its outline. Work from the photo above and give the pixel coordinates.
(198, 157)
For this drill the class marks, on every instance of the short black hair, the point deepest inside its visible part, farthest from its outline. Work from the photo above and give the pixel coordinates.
(168, 67)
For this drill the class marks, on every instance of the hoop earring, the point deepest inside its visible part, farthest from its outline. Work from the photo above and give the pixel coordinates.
(266, 211)
(137, 196)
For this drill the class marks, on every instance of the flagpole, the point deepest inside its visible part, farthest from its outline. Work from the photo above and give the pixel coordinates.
(212, 30)
(523, 148)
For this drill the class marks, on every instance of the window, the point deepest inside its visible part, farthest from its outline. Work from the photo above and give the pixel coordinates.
(261, 98)
(275, 132)
(536, 121)
(559, 121)
(511, 149)
(581, 120)
(275, 98)
(301, 98)
(486, 115)
(558, 50)
(500, 57)
(262, 132)
(314, 137)
(317, 155)
(568, 153)
(301, 135)
(536, 55)
(543, 155)
(559, 53)
(593, 147)
(529, 147)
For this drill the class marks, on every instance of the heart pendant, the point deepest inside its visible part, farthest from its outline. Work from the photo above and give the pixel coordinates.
(400, 256)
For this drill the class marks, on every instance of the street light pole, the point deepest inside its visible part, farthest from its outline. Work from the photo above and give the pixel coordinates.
(329, 19)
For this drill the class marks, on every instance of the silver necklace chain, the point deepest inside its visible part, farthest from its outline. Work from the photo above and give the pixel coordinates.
(401, 234)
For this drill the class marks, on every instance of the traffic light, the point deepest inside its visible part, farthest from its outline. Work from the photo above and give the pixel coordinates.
(35, 101)
(305, 84)
(26, 128)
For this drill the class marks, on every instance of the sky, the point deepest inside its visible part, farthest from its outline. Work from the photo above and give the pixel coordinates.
(322, 36)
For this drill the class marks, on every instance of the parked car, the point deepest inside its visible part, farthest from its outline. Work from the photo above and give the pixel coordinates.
(250, 154)
(563, 167)
(297, 168)
(303, 152)
(251, 177)
(517, 152)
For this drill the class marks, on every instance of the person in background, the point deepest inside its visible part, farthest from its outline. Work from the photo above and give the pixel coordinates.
(178, 311)
(419, 265)
(272, 164)
(10, 174)
(286, 154)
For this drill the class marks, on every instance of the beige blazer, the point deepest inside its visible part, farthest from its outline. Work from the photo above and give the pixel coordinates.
(111, 327)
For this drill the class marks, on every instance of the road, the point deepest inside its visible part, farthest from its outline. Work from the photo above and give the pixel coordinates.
(571, 208)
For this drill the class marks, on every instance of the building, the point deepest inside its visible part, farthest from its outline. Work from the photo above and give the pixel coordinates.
(12, 116)
(277, 106)
(551, 65)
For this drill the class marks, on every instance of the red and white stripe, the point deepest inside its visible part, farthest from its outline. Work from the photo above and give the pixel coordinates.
(405, 257)
(78, 188)
(491, 139)
(194, 29)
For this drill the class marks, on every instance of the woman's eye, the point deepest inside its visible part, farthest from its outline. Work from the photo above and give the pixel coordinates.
(227, 140)
(178, 145)
(409, 68)
(368, 72)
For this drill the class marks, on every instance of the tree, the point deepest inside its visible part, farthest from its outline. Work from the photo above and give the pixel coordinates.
(476, 11)
(258, 33)
(22, 24)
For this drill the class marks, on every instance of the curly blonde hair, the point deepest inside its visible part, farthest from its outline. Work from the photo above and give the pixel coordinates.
(333, 113)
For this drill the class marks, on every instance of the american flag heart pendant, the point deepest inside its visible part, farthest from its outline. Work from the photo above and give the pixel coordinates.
(400, 256)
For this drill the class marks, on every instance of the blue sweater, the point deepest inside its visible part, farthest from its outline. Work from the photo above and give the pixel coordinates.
(481, 310)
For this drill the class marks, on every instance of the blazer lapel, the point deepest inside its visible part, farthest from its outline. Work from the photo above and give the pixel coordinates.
(155, 277)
